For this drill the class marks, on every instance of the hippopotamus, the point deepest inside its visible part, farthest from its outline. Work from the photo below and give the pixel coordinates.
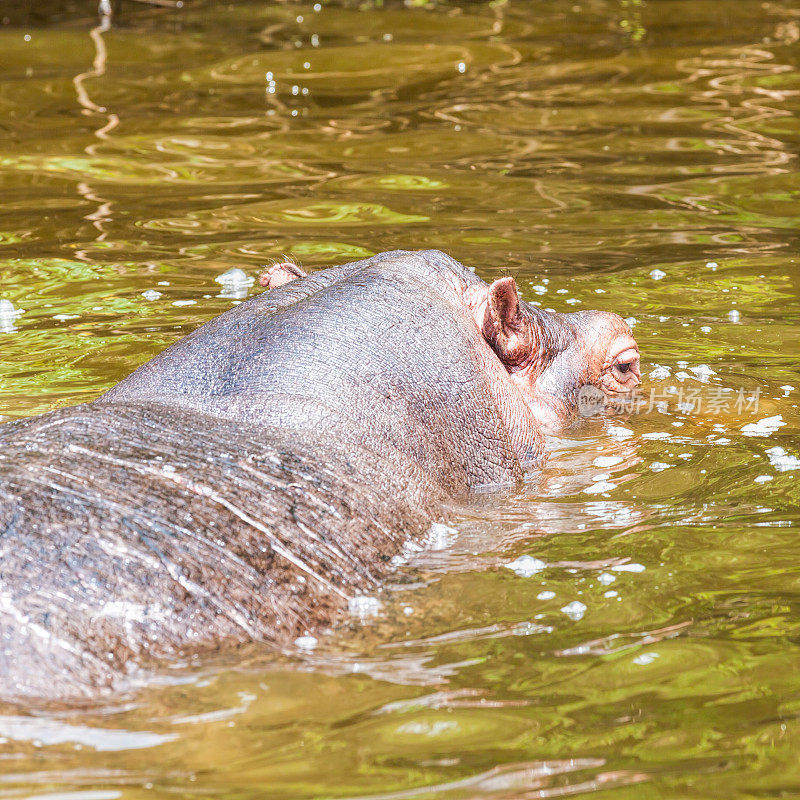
(250, 480)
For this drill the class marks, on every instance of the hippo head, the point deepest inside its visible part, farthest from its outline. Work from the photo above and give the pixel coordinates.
(550, 357)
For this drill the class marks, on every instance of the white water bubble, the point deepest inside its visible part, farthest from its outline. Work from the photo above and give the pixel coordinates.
(660, 373)
(764, 427)
(306, 642)
(364, 606)
(657, 274)
(7, 309)
(659, 466)
(235, 277)
(712, 265)
(619, 432)
(545, 595)
(703, 372)
(574, 610)
(781, 460)
(705, 329)
(734, 315)
(607, 461)
(656, 436)
(601, 487)
(629, 567)
(538, 289)
(235, 282)
(440, 536)
(611, 593)
(525, 566)
(180, 303)
(632, 321)
(151, 294)
(645, 658)
(762, 478)
(8, 315)
(606, 577)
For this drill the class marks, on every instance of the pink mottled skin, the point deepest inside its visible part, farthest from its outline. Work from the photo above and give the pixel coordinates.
(279, 274)
(549, 362)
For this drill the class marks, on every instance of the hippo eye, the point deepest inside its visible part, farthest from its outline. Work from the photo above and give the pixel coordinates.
(623, 368)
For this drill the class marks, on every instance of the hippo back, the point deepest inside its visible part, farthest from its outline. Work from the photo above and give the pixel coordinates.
(379, 353)
(126, 543)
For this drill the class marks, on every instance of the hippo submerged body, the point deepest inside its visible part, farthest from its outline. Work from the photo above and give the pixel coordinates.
(245, 483)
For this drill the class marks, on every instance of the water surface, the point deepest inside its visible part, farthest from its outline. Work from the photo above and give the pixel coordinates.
(610, 154)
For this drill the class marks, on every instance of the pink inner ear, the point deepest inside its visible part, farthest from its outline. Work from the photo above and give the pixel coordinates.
(504, 301)
(505, 328)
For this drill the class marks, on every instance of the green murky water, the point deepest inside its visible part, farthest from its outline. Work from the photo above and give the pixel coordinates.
(637, 157)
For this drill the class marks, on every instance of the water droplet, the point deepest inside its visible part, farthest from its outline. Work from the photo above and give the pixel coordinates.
(235, 277)
(525, 566)
(764, 427)
(574, 610)
(629, 568)
(364, 606)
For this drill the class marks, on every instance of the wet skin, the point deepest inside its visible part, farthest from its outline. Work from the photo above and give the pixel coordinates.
(245, 483)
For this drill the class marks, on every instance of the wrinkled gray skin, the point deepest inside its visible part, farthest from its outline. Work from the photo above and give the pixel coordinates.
(243, 484)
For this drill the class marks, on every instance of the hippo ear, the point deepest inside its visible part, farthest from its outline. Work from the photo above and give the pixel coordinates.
(506, 329)
(280, 274)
